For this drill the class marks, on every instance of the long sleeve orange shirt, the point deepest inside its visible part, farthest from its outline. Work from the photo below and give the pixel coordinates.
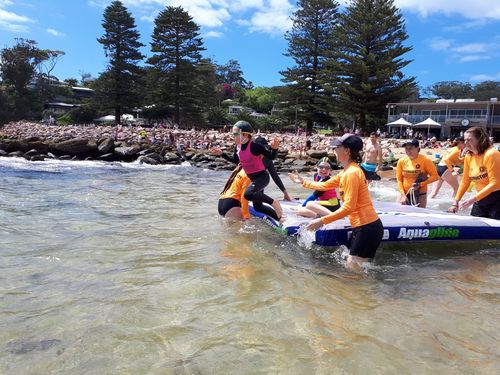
(452, 158)
(353, 190)
(407, 171)
(236, 191)
(484, 170)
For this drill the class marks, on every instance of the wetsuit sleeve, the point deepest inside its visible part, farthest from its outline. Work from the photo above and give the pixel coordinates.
(399, 176)
(448, 159)
(465, 183)
(234, 159)
(244, 203)
(332, 183)
(351, 184)
(431, 170)
(492, 164)
(258, 149)
(274, 175)
(310, 198)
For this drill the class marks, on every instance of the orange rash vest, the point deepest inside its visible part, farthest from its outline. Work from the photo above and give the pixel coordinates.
(353, 190)
(484, 171)
(236, 191)
(408, 170)
(452, 158)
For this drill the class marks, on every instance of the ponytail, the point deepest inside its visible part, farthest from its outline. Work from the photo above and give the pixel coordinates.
(231, 178)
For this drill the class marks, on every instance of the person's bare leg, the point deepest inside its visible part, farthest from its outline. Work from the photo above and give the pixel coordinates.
(277, 207)
(436, 188)
(303, 211)
(422, 200)
(451, 180)
(234, 214)
(318, 209)
(356, 263)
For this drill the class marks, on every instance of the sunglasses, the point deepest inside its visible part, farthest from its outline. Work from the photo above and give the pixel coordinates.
(324, 167)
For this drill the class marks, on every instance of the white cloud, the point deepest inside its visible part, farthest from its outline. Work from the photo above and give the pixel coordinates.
(11, 21)
(473, 48)
(477, 9)
(485, 77)
(55, 32)
(273, 18)
(440, 44)
(213, 34)
(469, 58)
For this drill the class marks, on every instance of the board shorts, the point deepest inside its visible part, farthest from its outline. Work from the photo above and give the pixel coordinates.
(226, 204)
(366, 239)
(441, 169)
(369, 171)
(488, 207)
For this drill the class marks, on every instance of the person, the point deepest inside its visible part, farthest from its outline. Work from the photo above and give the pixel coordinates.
(250, 155)
(481, 166)
(321, 203)
(232, 203)
(356, 202)
(413, 173)
(445, 167)
(372, 158)
(268, 163)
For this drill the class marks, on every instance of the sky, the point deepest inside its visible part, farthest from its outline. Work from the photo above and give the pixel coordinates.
(453, 40)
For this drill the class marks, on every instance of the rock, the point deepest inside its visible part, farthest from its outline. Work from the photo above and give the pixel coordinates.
(37, 157)
(65, 157)
(148, 160)
(106, 145)
(31, 152)
(3, 153)
(127, 150)
(77, 146)
(189, 155)
(18, 154)
(155, 156)
(317, 154)
(146, 151)
(171, 157)
(106, 157)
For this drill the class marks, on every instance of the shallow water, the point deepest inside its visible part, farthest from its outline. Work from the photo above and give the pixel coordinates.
(124, 269)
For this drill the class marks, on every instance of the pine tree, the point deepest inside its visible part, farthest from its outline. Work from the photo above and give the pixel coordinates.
(310, 46)
(121, 44)
(177, 52)
(370, 36)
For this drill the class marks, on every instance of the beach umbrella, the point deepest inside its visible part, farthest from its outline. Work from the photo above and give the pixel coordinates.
(401, 122)
(428, 123)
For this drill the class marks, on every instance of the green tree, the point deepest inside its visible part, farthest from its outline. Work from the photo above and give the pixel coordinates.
(231, 79)
(121, 44)
(310, 46)
(370, 36)
(452, 90)
(177, 47)
(261, 99)
(487, 90)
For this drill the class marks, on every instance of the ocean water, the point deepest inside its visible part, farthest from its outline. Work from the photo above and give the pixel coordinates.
(127, 269)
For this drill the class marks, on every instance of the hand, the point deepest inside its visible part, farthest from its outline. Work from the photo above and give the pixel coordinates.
(403, 199)
(415, 186)
(467, 203)
(286, 196)
(216, 151)
(275, 144)
(315, 224)
(453, 209)
(295, 177)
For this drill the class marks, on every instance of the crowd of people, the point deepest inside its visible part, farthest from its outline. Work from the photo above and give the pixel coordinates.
(360, 163)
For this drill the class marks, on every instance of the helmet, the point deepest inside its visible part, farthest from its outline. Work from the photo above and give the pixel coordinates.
(325, 159)
(244, 126)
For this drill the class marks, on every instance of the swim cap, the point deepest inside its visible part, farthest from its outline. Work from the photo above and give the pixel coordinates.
(244, 126)
(325, 159)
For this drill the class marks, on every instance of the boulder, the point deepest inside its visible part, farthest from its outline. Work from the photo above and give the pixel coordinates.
(77, 146)
(171, 157)
(317, 154)
(105, 146)
(127, 150)
(147, 160)
(30, 153)
(3, 153)
(37, 157)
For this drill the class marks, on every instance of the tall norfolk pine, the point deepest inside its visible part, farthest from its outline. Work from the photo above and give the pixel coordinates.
(370, 37)
(310, 46)
(119, 82)
(177, 52)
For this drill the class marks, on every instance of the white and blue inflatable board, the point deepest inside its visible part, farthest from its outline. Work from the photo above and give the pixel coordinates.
(401, 223)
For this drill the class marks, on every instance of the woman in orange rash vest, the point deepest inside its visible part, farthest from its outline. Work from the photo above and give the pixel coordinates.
(356, 201)
(481, 166)
(232, 203)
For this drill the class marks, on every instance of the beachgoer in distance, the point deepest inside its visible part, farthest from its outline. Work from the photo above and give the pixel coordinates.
(372, 158)
(232, 203)
(321, 202)
(356, 201)
(446, 165)
(250, 154)
(413, 173)
(481, 166)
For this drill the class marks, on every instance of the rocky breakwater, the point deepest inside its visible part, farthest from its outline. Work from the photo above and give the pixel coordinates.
(107, 149)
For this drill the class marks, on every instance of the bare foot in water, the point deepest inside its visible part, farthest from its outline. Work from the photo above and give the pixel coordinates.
(277, 207)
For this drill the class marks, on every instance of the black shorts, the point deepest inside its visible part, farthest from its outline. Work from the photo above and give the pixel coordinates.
(332, 208)
(441, 169)
(366, 239)
(488, 207)
(226, 204)
(370, 176)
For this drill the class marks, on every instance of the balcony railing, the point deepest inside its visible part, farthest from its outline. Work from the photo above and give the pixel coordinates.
(442, 118)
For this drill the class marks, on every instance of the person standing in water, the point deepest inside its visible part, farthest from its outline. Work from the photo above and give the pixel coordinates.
(372, 158)
(250, 155)
(481, 166)
(232, 204)
(445, 168)
(367, 229)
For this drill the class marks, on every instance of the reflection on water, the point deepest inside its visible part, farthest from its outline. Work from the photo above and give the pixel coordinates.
(128, 269)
